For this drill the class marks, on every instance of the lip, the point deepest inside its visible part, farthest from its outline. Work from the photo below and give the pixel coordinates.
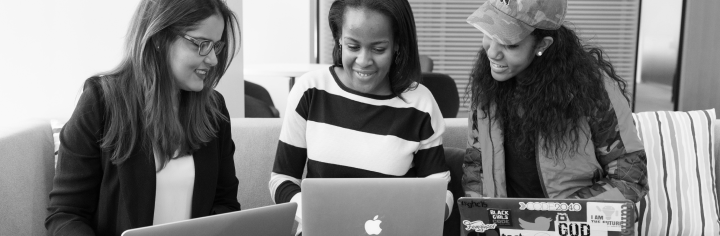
(497, 68)
(201, 73)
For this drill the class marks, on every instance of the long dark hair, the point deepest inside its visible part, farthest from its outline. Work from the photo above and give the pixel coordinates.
(405, 70)
(140, 94)
(561, 87)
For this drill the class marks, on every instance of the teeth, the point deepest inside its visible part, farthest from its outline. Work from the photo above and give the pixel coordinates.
(363, 75)
(202, 72)
(496, 65)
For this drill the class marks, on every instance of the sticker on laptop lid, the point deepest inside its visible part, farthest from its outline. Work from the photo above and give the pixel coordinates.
(566, 227)
(478, 226)
(500, 217)
(609, 214)
(525, 232)
(550, 206)
(540, 223)
(473, 203)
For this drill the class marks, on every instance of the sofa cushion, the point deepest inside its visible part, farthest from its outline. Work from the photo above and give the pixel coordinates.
(456, 131)
(256, 140)
(683, 197)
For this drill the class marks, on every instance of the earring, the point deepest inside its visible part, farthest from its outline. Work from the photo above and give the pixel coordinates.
(397, 57)
(539, 53)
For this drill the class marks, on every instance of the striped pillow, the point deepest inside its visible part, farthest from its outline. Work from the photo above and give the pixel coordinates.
(683, 198)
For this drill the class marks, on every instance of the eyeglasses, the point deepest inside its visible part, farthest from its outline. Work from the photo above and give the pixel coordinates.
(205, 46)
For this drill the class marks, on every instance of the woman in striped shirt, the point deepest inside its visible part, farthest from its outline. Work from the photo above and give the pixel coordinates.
(366, 116)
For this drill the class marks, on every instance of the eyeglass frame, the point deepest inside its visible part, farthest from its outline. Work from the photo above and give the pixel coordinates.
(217, 46)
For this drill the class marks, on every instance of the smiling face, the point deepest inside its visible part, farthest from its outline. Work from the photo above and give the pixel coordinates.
(507, 61)
(368, 51)
(187, 66)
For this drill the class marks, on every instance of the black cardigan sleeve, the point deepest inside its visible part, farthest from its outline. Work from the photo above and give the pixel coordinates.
(227, 186)
(78, 172)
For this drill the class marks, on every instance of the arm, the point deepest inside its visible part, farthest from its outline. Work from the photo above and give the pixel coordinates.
(619, 151)
(227, 183)
(472, 163)
(429, 158)
(78, 172)
(291, 152)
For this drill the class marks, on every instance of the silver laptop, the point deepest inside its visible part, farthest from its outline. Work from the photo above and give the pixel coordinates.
(373, 206)
(262, 221)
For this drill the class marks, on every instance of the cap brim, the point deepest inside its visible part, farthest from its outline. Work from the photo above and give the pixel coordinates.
(498, 25)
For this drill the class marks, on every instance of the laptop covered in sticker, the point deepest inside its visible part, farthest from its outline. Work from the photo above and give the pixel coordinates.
(545, 217)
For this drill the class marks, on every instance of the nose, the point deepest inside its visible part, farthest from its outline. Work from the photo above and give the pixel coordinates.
(211, 58)
(492, 48)
(364, 58)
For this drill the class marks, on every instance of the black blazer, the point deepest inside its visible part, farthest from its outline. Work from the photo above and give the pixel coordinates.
(90, 195)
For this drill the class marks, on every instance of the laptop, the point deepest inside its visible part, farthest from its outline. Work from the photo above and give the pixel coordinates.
(545, 217)
(373, 206)
(262, 221)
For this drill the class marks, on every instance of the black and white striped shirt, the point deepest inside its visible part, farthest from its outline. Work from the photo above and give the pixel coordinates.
(342, 133)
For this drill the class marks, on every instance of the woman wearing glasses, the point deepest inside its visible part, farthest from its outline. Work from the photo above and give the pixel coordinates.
(149, 142)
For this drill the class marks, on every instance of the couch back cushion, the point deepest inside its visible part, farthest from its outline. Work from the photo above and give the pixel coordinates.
(456, 133)
(256, 140)
(683, 197)
(26, 154)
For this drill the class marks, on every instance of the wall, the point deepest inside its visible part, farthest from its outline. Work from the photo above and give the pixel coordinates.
(50, 47)
(700, 73)
(659, 41)
(232, 84)
(276, 31)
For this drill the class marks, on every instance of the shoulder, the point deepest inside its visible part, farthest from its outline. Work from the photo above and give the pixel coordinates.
(420, 97)
(218, 100)
(320, 79)
(93, 87)
(418, 89)
(92, 99)
(316, 78)
(89, 114)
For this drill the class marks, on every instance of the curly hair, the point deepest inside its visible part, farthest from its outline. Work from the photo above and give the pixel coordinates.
(561, 87)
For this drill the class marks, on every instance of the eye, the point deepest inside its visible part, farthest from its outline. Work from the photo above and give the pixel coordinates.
(379, 50)
(512, 46)
(353, 47)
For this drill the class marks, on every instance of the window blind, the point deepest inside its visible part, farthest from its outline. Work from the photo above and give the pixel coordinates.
(452, 43)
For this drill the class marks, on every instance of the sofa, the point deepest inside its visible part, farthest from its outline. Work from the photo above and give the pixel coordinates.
(27, 154)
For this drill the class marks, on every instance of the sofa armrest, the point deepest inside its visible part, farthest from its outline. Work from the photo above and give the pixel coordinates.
(27, 157)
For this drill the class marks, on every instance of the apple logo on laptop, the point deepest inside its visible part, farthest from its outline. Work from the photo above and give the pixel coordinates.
(372, 227)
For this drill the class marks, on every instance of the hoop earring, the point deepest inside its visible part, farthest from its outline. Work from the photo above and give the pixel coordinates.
(397, 57)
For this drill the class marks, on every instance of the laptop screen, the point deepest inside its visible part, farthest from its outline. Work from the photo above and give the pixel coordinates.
(545, 217)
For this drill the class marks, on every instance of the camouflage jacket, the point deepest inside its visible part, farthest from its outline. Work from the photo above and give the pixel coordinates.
(612, 166)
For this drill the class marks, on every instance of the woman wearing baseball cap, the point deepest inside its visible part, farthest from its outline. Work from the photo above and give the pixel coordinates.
(550, 117)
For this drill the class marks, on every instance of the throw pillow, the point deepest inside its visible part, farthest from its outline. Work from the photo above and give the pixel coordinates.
(683, 198)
